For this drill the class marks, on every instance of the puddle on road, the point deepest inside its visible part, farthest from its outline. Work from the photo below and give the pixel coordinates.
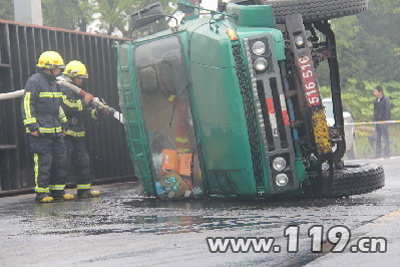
(120, 210)
(137, 215)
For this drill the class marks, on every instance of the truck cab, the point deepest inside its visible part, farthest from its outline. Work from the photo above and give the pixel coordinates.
(228, 105)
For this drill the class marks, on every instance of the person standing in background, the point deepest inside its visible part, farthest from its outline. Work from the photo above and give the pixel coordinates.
(382, 112)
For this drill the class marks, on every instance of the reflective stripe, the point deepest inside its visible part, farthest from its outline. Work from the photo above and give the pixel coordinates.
(29, 121)
(184, 149)
(83, 186)
(171, 98)
(61, 115)
(41, 190)
(27, 106)
(36, 171)
(48, 130)
(72, 103)
(93, 114)
(36, 168)
(50, 94)
(75, 134)
(57, 187)
(182, 140)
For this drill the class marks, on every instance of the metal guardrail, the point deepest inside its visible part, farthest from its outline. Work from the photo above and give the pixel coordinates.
(20, 47)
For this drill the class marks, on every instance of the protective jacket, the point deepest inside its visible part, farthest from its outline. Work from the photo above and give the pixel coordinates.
(41, 106)
(382, 109)
(75, 110)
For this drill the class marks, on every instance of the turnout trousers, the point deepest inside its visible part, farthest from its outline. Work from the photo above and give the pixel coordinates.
(50, 163)
(77, 156)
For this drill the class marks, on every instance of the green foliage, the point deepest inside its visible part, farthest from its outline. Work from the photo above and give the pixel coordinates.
(360, 101)
(7, 9)
(104, 16)
(115, 14)
(368, 48)
(75, 14)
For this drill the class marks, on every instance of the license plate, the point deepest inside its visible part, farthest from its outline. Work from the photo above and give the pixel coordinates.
(308, 80)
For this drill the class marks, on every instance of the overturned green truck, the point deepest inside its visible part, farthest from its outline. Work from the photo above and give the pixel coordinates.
(228, 105)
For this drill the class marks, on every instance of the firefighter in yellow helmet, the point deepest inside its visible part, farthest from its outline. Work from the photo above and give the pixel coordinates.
(43, 118)
(76, 108)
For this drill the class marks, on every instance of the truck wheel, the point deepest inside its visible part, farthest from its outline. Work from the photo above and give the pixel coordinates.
(315, 10)
(351, 180)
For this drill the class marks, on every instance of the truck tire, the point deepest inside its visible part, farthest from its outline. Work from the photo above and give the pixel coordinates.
(315, 10)
(353, 179)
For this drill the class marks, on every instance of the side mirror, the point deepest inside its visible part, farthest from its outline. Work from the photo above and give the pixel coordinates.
(147, 15)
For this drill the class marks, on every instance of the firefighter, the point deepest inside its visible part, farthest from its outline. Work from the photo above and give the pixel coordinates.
(76, 109)
(42, 116)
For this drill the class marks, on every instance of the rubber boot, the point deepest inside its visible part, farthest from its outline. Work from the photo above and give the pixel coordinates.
(62, 196)
(44, 198)
(86, 193)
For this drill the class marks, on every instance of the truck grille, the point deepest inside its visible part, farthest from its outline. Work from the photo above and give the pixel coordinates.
(267, 88)
(252, 128)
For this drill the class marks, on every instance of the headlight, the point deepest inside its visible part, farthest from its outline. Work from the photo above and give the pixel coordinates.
(258, 48)
(260, 64)
(281, 179)
(299, 41)
(279, 164)
(325, 166)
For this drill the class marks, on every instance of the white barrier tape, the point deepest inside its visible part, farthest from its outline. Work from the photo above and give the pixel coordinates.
(373, 122)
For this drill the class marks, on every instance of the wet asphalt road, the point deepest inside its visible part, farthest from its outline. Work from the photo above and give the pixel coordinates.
(124, 229)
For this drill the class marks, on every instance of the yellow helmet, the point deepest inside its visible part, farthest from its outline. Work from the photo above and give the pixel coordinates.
(76, 68)
(50, 60)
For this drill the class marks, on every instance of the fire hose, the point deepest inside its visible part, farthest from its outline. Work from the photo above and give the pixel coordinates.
(96, 102)
(12, 95)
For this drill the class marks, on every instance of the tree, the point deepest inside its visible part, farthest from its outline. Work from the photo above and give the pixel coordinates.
(7, 9)
(104, 16)
(114, 15)
(72, 14)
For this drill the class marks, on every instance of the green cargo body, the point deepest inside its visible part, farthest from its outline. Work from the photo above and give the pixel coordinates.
(224, 101)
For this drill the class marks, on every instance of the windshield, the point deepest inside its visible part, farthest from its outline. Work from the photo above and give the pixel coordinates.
(163, 86)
